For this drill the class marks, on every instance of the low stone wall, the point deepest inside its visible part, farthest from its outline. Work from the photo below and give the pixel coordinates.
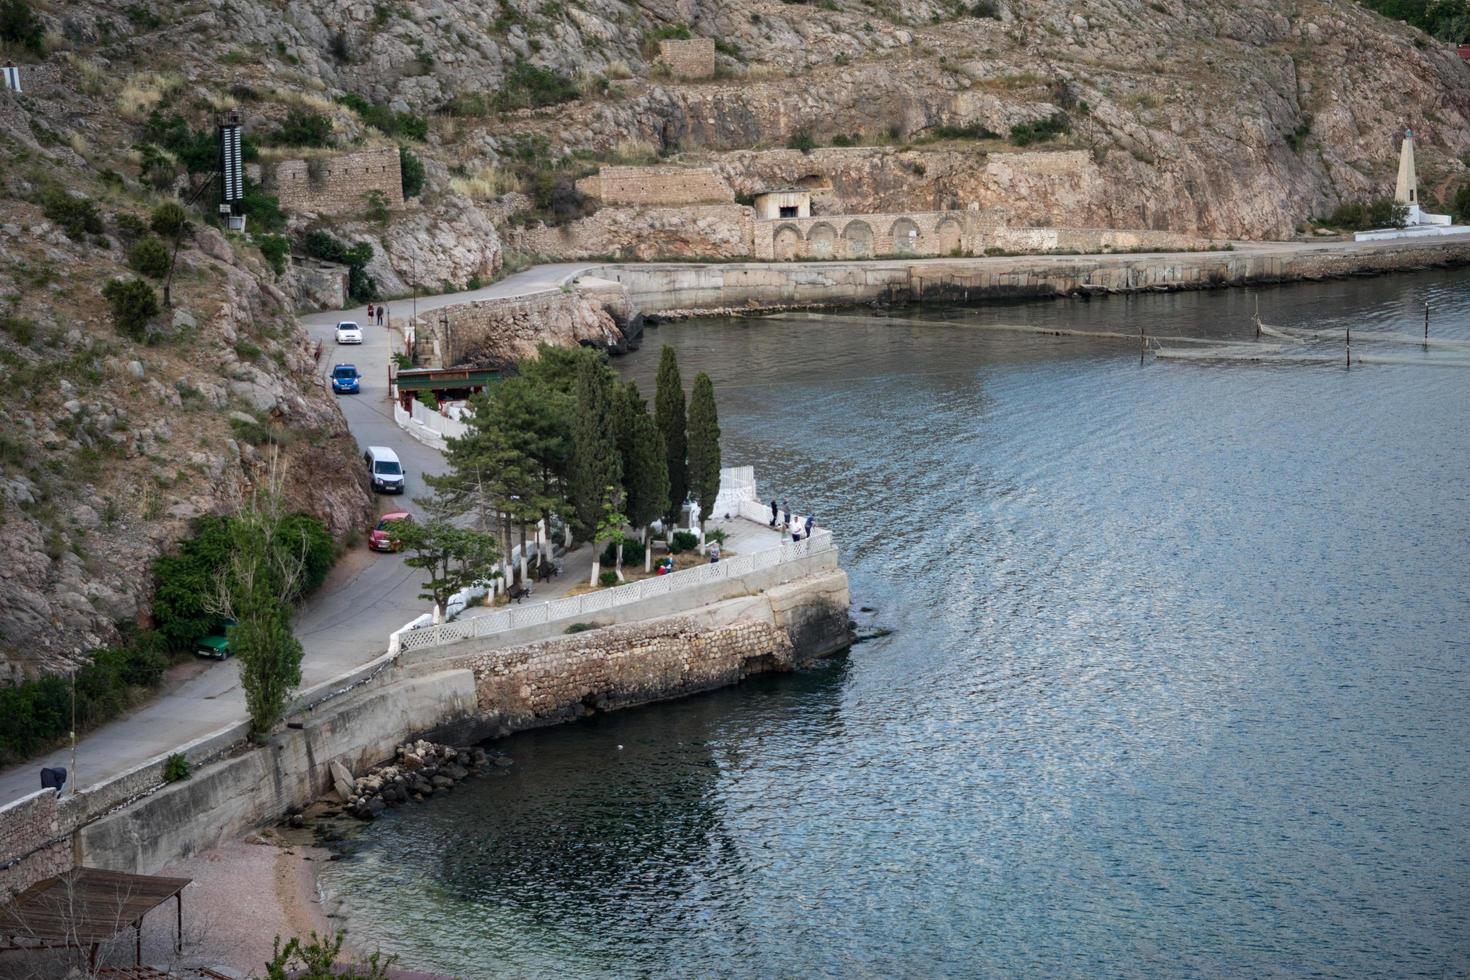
(338, 184)
(657, 186)
(34, 842)
(662, 288)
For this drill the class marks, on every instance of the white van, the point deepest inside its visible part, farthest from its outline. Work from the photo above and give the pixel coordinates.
(384, 469)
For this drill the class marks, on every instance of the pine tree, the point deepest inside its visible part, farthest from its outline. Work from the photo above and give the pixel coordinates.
(668, 404)
(595, 461)
(704, 446)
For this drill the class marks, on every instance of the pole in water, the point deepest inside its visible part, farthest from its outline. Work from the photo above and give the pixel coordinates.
(1349, 346)
(1426, 324)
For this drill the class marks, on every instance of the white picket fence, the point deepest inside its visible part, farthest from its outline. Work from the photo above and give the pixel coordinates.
(591, 603)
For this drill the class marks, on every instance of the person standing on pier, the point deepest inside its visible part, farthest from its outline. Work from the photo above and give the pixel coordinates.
(774, 513)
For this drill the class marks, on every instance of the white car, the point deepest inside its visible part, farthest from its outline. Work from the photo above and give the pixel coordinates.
(349, 333)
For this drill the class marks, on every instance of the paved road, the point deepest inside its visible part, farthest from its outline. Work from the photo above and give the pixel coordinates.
(346, 622)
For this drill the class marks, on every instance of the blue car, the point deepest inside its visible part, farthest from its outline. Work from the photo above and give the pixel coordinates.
(346, 380)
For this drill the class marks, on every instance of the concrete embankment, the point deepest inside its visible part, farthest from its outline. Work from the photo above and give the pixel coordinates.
(672, 288)
(464, 691)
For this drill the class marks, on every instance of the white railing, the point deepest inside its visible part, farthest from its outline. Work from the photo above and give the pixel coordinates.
(516, 617)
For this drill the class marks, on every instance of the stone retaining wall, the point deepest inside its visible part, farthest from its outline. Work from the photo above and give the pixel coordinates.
(688, 58)
(34, 842)
(340, 183)
(657, 186)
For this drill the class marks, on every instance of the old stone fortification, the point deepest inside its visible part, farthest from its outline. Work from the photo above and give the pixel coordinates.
(863, 236)
(338, 184)
(656, 186)
(661, 287)
(696, 231)
(463, 691)
(689, 58)
(508, 329)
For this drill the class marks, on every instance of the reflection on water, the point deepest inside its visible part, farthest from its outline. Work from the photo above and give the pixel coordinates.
(1177, 683)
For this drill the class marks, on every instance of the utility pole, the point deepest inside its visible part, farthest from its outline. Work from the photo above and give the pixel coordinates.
(1426, 324)
(73, 731)
(448, 343)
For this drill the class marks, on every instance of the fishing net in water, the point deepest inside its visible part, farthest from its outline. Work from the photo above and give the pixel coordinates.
(1296, 345)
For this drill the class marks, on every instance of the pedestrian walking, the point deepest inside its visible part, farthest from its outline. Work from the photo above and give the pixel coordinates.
(370, 314)
(786, 511)
(811, 522)
(714, 552)
(382, 310)
(774, 513)
(796, 528)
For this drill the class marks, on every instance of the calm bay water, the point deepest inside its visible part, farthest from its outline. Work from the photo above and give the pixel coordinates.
(1177, 682)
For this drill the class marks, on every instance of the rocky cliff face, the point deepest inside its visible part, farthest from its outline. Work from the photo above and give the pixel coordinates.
(113, 442)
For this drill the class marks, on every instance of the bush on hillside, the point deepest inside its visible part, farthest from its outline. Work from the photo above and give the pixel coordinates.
(77, 216)
(150, 257)
(20, 25)
(169, 220)
(303, 127)
(133, 304)
(412, 169)
(1040, 130)
(529, 86)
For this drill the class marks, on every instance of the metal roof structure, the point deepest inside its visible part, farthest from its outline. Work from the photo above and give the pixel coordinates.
(86, 907)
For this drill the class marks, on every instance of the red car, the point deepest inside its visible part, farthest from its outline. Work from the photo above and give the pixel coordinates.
(381, 538)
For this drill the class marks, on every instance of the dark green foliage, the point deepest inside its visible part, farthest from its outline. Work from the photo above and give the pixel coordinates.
(275, 249)
(316, 959)
(385, 120)
(264, 210)
(37, 714)
(1460, 204)
(529, 86)
(801, 140)
(169, 220)
(1360, 215)
(143, 18)
(645, 467)
(323, 245)
(149, 256)
(974, 131)
(20, 25)
(704, 445)
(412, 169)
(607, 577)
(77, 216)
(129, 227)
(198, 150)
(175, 768)
(133, 304)
(186, 580)
(580, 627)
(303, 127)
(682, 541)
(18, 328)
(1448, 20)
(556, 198)
(596, 465)
(1297, 138)
(987, 9)
(633, 552)
(668, 408)
(1040, 130)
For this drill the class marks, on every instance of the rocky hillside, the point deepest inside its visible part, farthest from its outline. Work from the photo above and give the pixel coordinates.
(114, 437)
(1224, 117)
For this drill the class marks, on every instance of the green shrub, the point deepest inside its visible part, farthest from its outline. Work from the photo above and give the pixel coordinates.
(323, 245)
(302, 127)
(133, 304)
(717, 535)
(375, 207)
(264, 210)
(77, 216)
(607, 577)
(19, 329)
(1362, 215)
(974, 131)
(1040, 130)
(1460, 204)
(580, 627)
(385, 120)
(149, 256)
(175, 768)
(529, 86)
(801, 140)
(412, 170)
(987, 9)
(1447, 21)
(683, 541)
(275, 249)
(428, 400)
(169, 220)
(129, 226)
(20, 25)
(632, 553)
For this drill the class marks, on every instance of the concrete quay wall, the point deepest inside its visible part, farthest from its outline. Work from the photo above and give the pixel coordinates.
(673, 287)
(463, 692)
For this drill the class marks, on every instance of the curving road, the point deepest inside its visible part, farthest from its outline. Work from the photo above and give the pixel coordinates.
(347, 621)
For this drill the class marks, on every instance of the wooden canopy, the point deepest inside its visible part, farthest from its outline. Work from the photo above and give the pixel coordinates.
(85, 907)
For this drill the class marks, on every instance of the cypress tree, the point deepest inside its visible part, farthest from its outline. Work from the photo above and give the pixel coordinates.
(595, 461)
(704, 445)
(645, 466)
(668, 406)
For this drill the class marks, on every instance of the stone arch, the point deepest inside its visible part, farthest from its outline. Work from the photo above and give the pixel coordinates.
(786, 242)
(906, 237)
(859, 238)
(821, 240)
(951, 237)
